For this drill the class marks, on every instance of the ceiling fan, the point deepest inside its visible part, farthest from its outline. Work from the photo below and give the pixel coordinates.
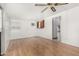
(50, 5)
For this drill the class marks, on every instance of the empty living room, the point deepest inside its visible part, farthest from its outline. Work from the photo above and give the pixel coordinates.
(39, 29)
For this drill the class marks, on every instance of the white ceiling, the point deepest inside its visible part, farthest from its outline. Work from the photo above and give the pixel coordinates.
(29, 10)
(22, 10)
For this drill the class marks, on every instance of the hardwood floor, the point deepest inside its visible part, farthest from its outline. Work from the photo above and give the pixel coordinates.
(37, 46)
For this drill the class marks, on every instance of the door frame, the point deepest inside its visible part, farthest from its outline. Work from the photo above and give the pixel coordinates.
(57, 18)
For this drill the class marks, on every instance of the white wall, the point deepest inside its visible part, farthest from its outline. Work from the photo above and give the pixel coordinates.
(70, 27)
(22, 28)
(47, 30)
(4, 33)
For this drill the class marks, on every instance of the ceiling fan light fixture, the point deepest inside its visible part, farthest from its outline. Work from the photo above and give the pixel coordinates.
(53, 9)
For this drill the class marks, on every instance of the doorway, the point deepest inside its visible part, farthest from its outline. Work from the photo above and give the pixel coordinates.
(56, 28)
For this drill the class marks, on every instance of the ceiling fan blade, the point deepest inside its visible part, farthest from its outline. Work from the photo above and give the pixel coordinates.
(58, 4)
(53, 9)
(40, 4)
(44, 9)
